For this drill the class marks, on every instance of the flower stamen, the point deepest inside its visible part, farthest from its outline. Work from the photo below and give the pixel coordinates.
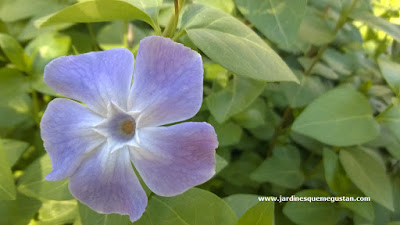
(128, 127)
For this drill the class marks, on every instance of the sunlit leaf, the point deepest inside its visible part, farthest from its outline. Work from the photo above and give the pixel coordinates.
(240, 203)
(232, 44)
(99, 11)
(14, 52)
(378, 23)
(260, 214)
(32, 182)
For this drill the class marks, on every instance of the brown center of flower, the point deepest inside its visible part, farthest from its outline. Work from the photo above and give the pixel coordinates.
(128, 127)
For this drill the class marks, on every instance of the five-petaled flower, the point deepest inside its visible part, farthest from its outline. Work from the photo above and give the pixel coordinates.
(95, 144)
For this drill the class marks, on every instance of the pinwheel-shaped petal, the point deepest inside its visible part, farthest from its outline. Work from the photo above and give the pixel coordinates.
(95, 144)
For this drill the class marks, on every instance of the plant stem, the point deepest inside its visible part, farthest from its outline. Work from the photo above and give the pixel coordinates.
(173, 21)
(92, 36)
(178, 35)
(378, 117)
(340, 23)
(287, 115)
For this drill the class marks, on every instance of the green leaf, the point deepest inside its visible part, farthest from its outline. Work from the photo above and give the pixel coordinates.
(302, 94)
(221, 163)
(240, 203)
(312, 213)
(390, 71)
(19, 211)
(13, 149)
(14, 52)
(232, 44)
(14, 10)
(225, 5)
(340, 117)
(254, 116)
(278, 20)
(240, 93)
(394, 223)
(282, 169)
(195, 206)
(15, 112)
(90, 217)
(319, 68)
(12, 84)
(99, 11)
(314, 29)
(377, 22)
(338, 61)
(364, 209)
(45, 48)
(228, 133)
(58, 212)
(260, 214)
(391, 119)
(334, 173)
(368, 174)
(112, 35)
(32, 182)
(7, 186)
(238, 172)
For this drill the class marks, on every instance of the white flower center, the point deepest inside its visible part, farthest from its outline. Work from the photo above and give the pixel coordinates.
(119, 127)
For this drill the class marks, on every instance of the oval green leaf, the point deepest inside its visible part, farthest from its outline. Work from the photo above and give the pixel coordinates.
(195, 206)
(282, 169)
(278, 20)
(368, 174)
(341, 117)
(232, 44)
(33, 184)
(98, 11)
(260, 214)
(312, 213)
(7, 186)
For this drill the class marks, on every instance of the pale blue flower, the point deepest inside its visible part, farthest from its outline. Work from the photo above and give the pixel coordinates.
(94, 144)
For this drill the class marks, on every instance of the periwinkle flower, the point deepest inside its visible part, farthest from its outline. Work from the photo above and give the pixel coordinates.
(95, 144)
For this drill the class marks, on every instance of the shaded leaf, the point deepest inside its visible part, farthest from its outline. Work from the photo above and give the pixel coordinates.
(334, 173)
(240, 93)
(391, 72)
(240, 203)
(302, 94)
(282, 169)
(90, 217)
(368, 174)
(312, 213)
(340, 117)
(7, 186)
(278, 20)
(208, 209)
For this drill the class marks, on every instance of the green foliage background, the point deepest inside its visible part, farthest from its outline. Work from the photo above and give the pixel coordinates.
(304, 97)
